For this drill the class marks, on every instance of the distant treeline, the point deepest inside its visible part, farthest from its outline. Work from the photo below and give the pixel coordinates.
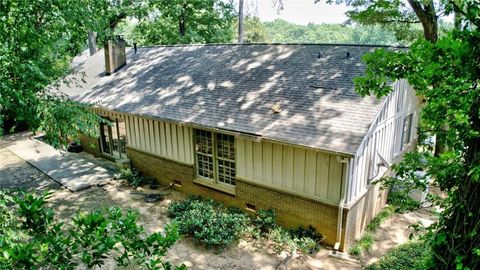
(286, 32)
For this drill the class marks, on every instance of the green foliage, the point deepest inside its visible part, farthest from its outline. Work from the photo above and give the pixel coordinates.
(254, 30)
(133, 178)
(409, 256)
(265, 220)
(31, 239)
(286, 32)
(394, 15)
(292, 240)
(307, 239)
(183, 22)
(367, 240)
(208, 222)
(363, 244)
(212, 224)
(37, 42)
(446, 75)
(36, 217)
(380, 218)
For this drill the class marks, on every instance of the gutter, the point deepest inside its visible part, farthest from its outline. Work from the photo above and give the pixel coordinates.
(341, 203)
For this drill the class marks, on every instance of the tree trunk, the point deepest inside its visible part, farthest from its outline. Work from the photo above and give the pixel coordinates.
(461, 221)
(92, 42)
(181, 27)
(181, 21)
(428, 18)
(240, 22)
(458, 21)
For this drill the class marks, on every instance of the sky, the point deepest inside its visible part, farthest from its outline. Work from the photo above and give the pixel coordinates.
(297, 11)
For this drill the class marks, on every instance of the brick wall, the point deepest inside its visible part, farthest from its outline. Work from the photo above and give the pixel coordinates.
(291, 210)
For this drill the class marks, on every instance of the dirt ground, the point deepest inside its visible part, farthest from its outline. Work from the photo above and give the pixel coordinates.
(395, 231)
(16, 173)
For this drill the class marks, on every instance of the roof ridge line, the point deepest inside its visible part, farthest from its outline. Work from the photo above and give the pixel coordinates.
(275, 44)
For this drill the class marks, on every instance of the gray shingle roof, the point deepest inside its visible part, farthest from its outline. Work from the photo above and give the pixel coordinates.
(233, 87)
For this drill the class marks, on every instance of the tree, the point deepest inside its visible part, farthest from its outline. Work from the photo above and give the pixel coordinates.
(182, 22)
(240, 21)
(286, 32)
(445, 72)
(397, 15)
(37, 42)
(30, 238)
(255, 31)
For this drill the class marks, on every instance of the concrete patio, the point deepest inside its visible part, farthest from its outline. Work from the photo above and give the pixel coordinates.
(74, 171)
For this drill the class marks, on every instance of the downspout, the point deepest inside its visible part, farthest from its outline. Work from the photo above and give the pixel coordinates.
(345, 173)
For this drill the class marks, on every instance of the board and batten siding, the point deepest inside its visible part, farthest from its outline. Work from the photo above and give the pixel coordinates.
(163, 139)
(303, 171)
(384, 137)
(289, 168)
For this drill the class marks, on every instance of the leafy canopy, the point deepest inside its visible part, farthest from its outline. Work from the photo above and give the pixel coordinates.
(286, 32)
(37, 42)
(30, 238)
(446, 75)
(183, 22)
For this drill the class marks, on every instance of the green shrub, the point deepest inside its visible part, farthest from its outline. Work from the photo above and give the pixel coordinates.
(307, 239)
(208, 222)
(31, 239)
(212, 224)
(381, 217)
(36, 217)
(355, 250)
(409, 256)
(265, 220)
(367, 240)
(133, 178)
(281, 240)
(308, 245)
(302, 232)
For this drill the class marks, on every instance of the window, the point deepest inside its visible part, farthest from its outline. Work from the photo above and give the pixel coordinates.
(113, 138)
(407, 130)
(215, 156)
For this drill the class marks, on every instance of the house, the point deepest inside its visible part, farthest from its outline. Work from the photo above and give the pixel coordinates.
(256, 126)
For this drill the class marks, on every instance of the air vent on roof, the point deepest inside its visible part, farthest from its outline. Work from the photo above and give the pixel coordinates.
(276, 108)
(348, 55)
(319, 55)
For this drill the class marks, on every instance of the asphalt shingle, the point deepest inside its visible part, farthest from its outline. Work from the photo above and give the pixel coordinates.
(234, 87)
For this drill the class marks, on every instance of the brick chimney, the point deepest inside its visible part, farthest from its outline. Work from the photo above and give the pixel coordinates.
(115, 57)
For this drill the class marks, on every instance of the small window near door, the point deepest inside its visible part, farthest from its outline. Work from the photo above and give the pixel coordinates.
(215, 156)
(113, 138)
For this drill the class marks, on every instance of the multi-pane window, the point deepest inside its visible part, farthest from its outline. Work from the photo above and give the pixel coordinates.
(215, 155)
(204, 150)
(113, 138)
(226, 158)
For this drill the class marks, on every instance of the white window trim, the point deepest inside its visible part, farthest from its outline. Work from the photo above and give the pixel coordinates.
(213, 183)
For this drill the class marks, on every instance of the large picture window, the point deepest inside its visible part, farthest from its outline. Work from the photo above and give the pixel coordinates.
(113, 138)
(215, 156)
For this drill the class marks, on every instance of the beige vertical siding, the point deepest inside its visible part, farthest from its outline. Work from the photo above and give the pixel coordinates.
(163, 139)
(289, 168)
